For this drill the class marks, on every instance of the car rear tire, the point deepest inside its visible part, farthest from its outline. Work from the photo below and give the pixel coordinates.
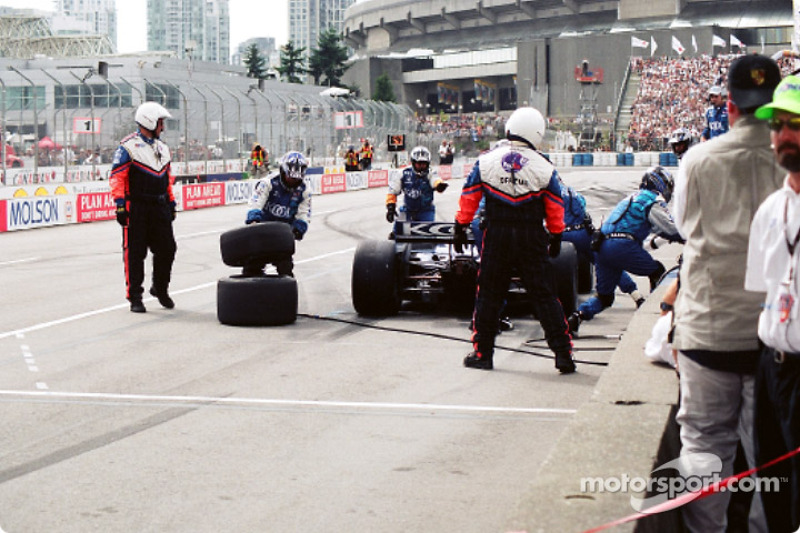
(374, 282)
(265, 242)
(565, 276)
(585, 276)
(257, 300)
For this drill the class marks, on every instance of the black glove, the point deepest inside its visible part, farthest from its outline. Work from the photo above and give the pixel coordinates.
(122, 215)
(441, 186)
(391, 212)
(173, 210)
(555, 245)
(459, 237)
(588, 225)
(298, 235)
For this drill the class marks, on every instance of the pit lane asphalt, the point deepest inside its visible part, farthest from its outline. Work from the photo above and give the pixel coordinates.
(170, 421)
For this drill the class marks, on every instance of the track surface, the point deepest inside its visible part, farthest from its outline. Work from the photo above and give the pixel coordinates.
(172, 422)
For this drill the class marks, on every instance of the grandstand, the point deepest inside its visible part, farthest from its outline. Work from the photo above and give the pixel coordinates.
(460, 57)
(28, 36)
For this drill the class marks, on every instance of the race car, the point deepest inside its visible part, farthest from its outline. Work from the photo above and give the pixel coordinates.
(421, 265)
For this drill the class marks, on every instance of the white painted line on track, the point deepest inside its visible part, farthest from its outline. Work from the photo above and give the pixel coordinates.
(144, 399)
(80, 316)
(28, 260)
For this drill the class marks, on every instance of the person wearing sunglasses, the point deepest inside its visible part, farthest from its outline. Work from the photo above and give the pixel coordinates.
(772, 267)
(720, 185)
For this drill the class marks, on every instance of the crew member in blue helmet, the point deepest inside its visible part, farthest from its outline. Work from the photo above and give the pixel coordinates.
(578, 229)
(622, 237)
(283, 196)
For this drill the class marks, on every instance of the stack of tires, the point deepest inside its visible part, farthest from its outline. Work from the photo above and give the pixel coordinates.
(259, 300)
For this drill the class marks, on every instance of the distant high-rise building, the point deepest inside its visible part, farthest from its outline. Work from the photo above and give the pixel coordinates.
(199, 29)
(266, 45)
(85, 17)
(309, 18)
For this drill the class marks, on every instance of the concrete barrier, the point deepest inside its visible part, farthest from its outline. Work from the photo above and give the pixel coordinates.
(627, 428)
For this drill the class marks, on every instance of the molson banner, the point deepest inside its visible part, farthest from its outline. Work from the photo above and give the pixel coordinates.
(39, 211)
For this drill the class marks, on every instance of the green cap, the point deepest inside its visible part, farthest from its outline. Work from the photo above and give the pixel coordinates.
(785, 98)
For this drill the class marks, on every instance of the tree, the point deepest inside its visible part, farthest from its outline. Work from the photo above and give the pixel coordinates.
(292, 61)
(327, 61)
(254, 62)
(384, 92)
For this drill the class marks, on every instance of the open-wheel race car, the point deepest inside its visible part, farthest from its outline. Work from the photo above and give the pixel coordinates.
(421, 265)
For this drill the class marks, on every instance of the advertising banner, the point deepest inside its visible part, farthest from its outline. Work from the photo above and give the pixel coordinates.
(378, 178)
(95, 206)
(203, 195)
(3, 217)
(356, 181)
(446, 172)
(239, 192)
(333, 183)
(39, 211)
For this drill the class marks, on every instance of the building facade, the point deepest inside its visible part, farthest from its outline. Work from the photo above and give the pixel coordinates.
(266, 46)
(192, 29)
(309, 18)
(86, 17)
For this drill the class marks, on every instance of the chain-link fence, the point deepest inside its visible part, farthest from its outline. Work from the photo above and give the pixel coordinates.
(61, 119)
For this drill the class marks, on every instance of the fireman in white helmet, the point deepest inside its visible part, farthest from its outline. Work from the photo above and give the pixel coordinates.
(524, 222)
(141, 185)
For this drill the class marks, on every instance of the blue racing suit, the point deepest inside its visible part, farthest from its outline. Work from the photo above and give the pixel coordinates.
(417, 194)
(578, 229)
(273, 201)
(628, 225)
(716, 122)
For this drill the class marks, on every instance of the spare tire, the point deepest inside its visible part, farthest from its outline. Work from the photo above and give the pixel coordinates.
(265, 242)
(257, 300)
(374, 282)
(565, 277)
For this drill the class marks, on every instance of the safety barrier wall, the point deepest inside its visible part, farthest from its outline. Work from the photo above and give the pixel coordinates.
(54, 204)
(75, 174)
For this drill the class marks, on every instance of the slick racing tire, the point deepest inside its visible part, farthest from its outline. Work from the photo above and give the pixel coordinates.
(374, 282)
(264, 241)
(565, 277)
(257, 300)
(585, 276)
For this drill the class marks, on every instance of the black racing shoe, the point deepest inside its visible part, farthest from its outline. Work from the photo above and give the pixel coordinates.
(138, 307)
(474, 361)
(163, 298)
(574, 322)
(639, 302)
(564, 363)
(505, 324)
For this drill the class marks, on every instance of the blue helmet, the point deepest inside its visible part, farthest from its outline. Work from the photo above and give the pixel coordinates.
(658, 179)
(293, 168)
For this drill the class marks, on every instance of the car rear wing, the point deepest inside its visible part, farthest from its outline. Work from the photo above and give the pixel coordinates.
(438, 232)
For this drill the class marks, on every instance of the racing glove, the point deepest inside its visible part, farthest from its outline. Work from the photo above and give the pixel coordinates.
(441, 186)
(254, 215)
(173, 209)
(298, 235)
(122, 213)
(391, 212)
(459, 237)
(555, 245)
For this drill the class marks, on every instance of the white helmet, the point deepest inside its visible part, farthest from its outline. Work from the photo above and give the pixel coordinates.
(527, 124)
(420, 160)
(148, 113)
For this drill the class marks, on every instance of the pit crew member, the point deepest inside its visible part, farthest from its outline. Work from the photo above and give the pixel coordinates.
(283, 196)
